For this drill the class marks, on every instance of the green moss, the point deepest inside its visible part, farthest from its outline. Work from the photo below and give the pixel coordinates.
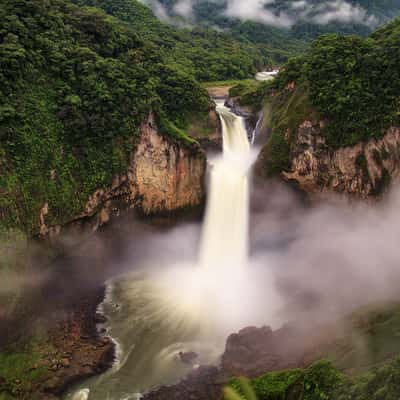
(23, 368)
(171, 130)
(283, 115)
(275, 156)
(232, 82)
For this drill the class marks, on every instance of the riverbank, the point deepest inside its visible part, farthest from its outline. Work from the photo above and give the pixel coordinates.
(64, 349)
(49, 340)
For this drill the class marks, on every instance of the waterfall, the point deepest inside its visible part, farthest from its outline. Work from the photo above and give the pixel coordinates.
(224, 242)
(82, 394)
(190, 306)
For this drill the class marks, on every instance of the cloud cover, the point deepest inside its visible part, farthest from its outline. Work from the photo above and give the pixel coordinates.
(274, 13)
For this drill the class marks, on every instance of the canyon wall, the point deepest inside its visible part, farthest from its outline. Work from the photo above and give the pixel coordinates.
(363, 170)
(164, 176)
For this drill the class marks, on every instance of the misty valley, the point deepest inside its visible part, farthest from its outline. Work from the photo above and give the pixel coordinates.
(199, 200)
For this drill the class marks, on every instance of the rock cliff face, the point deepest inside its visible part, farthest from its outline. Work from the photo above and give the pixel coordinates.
(164, 176)
(360, 171)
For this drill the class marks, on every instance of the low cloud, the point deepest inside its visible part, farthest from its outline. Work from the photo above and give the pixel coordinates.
(268, 12)
(256, 10)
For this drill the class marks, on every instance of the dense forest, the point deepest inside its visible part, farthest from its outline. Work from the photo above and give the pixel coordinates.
(349, 82)
(65, 70)
(97, 67)
(305, 24)
(203, 51)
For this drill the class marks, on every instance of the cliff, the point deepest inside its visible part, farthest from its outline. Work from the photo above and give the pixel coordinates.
(363, 170)
(163, 176)
(299, 150)
(334, 115)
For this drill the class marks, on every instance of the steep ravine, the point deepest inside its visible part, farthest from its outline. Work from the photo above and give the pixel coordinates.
(164, 176)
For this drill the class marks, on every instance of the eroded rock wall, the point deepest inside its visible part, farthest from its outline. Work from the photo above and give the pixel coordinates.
(163, 176)
(363, 170)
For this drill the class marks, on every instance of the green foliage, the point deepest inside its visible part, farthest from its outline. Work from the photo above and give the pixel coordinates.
(282, 114)
(318, 382)
(227, 83)
(275, 155)
(321, 381)
(251, 93)
(75, 86)
(21, 370)
(275, 384)
(240, 389)
(371, 338)
(204, 53)
(354, 83)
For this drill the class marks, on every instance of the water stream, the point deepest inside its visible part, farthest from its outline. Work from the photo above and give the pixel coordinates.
(154, 317)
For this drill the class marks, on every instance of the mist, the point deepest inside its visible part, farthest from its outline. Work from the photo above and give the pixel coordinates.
(342, 256)
(266, 12)
(316, 261)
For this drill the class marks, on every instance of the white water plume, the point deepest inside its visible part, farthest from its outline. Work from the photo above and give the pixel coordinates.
(156, 314)
(81, 395)
(224, 243)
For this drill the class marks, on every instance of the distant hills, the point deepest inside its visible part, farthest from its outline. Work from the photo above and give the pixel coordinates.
(300, 19)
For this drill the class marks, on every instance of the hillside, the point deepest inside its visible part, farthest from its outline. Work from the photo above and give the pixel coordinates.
(284, 18)
(76, 86)
(204, 52)
(339, 101)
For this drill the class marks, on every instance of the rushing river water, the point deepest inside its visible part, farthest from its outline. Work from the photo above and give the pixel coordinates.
(153, 317)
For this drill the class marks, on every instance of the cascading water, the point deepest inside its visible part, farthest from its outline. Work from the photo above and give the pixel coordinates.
(225, 234)
(178, 309)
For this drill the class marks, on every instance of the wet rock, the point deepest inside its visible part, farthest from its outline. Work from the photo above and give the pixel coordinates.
(202, 384)
(100, 319)
(187, 357)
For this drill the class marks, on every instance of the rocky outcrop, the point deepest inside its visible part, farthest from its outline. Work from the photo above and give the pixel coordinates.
(163, 176)
(204, 383)
(251, 117)
(251, 352)
(255, 351)
(359, 171)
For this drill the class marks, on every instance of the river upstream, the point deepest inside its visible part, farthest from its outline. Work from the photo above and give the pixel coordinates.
(157, 316)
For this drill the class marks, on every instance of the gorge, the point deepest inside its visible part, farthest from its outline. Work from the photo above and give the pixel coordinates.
(179, 309)
(171, 219)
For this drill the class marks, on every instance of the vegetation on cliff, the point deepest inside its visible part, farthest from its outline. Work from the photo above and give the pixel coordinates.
(349, 83)
(75, 86)
(363, 364)
(322, 380)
